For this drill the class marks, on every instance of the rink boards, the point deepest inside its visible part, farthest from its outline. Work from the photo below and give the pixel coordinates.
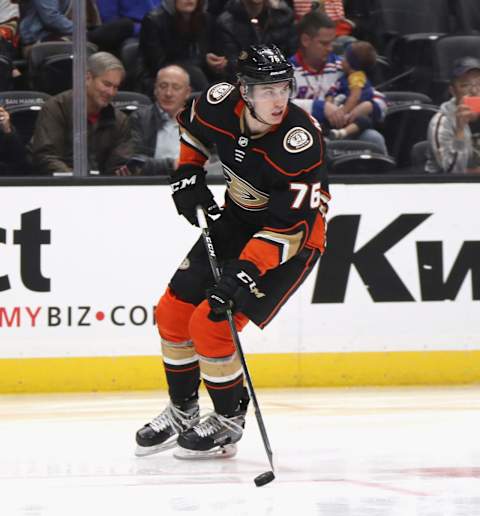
(394, 302)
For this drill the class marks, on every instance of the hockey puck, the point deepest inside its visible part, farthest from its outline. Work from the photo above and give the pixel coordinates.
(264, 478)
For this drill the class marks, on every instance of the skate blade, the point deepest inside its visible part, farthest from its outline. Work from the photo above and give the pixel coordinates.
(145, 451)
(219, 452)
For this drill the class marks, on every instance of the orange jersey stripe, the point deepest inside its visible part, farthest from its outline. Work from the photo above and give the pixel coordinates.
(266, 255)
(263, 254)
(214, 127)
(317, 237)
(190, 156)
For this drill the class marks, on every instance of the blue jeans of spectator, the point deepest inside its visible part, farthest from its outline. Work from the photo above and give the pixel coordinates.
(372, 136)
(368, 135)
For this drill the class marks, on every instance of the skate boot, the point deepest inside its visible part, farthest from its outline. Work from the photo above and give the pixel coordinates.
(162, 432)
(214, 437)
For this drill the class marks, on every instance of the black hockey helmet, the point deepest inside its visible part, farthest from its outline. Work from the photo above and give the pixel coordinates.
(262, 64)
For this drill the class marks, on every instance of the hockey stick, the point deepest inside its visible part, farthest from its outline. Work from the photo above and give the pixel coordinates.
(268, 476)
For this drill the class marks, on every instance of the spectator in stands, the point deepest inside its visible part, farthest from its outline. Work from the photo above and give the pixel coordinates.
(134, 10)
(354, 91)
(181, 32)
(302, 7)
(9, 15)
(9, 42)
(155, 129)
(51, 20)
(12, 151)
(334, 9)
(451, 148)
(109, 143)
(317, 68)
(252, 22)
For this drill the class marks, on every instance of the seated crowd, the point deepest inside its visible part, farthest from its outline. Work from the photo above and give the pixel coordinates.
(181, 47)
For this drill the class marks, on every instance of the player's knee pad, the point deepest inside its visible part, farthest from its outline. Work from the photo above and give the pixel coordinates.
(213, 339)
(173, 316)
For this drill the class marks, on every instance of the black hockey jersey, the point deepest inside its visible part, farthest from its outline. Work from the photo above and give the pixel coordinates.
(276, 181)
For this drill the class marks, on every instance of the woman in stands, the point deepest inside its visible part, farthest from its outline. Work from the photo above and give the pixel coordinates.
(181, 32)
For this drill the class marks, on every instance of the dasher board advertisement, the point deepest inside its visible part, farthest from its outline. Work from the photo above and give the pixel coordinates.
(81, 269)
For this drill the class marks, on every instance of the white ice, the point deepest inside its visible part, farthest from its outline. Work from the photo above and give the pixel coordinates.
(338, 452)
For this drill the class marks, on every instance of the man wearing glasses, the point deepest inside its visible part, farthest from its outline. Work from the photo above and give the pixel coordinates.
(452, 148)
(155, 129)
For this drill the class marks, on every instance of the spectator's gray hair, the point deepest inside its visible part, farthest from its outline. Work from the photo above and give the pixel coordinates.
(102, 62)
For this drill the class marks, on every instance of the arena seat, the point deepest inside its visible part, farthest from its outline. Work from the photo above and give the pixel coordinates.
(130, 101)
(400, 98)
(445, 51)
(418, 155)
(404, 31)
(6, 67)
(24, 107)
(362, 163)
(131, 61)
(51, 66)
(357, 157)
(467, 13)
(404, 126)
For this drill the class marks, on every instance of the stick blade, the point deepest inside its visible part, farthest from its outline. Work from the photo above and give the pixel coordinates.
(264, 478)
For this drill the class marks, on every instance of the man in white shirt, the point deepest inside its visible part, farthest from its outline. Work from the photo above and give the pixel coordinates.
(155, 129)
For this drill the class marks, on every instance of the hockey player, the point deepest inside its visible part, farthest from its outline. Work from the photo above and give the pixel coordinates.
(268, 237)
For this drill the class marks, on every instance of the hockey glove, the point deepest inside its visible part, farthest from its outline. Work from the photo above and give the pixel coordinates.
(238, 282)
(189, 191)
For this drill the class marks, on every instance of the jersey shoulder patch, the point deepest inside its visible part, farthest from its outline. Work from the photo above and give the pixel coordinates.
(296, 147)
(219, 92)
(297, 139)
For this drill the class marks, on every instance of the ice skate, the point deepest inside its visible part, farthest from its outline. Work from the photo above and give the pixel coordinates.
(162, 432)
(214, 437)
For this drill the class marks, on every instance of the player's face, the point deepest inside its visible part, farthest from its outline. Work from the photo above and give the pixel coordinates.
(102, 89)
(317, 47)
(270, 101)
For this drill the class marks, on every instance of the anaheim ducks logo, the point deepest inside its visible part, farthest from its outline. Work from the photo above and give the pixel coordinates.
(219, 92)
(297, 139)
(244, 194)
